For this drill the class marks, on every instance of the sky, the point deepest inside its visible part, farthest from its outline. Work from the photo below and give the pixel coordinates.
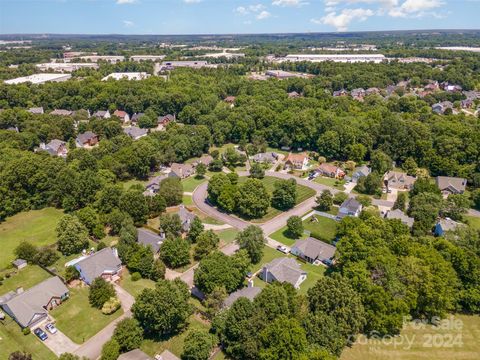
(233, 16)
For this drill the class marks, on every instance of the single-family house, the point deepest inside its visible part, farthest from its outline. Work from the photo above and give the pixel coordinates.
(441, 107)
(186, 218)
(451, 185)
(137, 354)
(444, 225)
(55, 147)
(36, 110)
(181, 171)
(466, 104)
(400, 215)
(390, 89)
(230, 100)
(61, 112)
(153, 186)
(296, 161)
(330, 170)
(293, 95)
(135, 117)
(249, 292)
(266, 157)
(350, 207)
(149, 238)
(432, 86)
(313, 250)
(166, 355)
(205, 159)
(398, 180)
(135, 132)
(164, 120)
(102, 114)
(19, 263)
(86, 140)
(283, 269)
(372, 90)
(28, 308)
(358, 94)
(341, 92)
(361, 171)
(104, 263)
(122, 115)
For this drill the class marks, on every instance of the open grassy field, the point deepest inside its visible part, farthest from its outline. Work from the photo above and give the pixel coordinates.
(322, 229)
(303, 193)
(456, 338)
(174, 343)
(337, 184)
(25, 278)
(12, 339)
(77, 311)
(35, 226)
(135, 287)
(189, 184)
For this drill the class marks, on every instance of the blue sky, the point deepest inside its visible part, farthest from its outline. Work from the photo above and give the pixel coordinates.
(233, 16)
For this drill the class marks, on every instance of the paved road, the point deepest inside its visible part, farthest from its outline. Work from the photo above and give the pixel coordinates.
(473, 212)
(92, 348)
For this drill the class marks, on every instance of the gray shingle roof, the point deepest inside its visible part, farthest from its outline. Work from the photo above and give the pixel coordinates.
(284, 270)
(453, 183)
(400, 215)
(350, 205)
(136, 354)
(248, 292)
(315, 249)
(147, 237)
(98, 263)
(186, 217)
(85, 137)
(135, 132)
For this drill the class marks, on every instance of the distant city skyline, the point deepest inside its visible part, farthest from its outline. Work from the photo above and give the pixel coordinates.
(233, 16)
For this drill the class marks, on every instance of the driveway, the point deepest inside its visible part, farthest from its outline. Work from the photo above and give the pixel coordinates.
(92, 348)
(59, 343)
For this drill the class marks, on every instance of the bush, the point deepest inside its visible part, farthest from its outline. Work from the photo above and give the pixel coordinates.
(128, 334)
(135, 276)
(339, 198)
(111, 305)
(100, 292)
(46, 257)
(26, 331)
(110, 350)
(71, 273)
(101, 245)
(26, 251)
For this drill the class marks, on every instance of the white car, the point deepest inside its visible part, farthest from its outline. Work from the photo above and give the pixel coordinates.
(282, 249)
(51, 328)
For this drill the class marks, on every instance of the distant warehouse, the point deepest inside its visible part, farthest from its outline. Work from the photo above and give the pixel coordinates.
(39, 79)
(346, 58)
(65, 67)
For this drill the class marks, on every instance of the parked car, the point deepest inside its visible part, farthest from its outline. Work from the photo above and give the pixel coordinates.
(40, 334)
(51, 328)
(282, 249)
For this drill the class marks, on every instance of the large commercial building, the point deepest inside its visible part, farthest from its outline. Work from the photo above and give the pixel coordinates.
(345, 58)
(65, 67)
(127, 76)
(39, 78)
(139, 58)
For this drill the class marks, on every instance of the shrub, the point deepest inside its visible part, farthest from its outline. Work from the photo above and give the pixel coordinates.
(339, 198)
(26, 331)
(136, 276)
(71, 273)
(110, 306)
(110, 350)
(100, 292)
(101, 245)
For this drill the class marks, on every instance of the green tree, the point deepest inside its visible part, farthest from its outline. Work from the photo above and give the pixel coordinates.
(110, 350)
(196, 228)
(89, 217)
(170, 224)
(46, 256)
(128, 334)
(257, 171)
(325, 200)
(370, 184)
(295, 226)
(198, 345)
(456, 206)
(339, 198)
(215, 300)
(18, 355)
(171, 190)
(380, 162)
(253, 241)
(401, 201)
(72, 236)
(253, 199)
(410, 166)
(156, 205)
(216, 185)
(163, 310)
(425, 208)
(71, 273)
(201, 170)
(175, 252)
(26, 251)
(207, 242)
(133, 202)
(100, 292)
(364, 200)
(284, 195)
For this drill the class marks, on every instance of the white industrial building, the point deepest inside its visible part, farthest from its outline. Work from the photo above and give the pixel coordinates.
(127, 76)
(224, 54)
(108, 58)
(65, 67)
(147, 57)
(345, 58)
(39, 78)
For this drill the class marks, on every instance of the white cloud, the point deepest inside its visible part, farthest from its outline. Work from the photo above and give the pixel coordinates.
(341, 20)
(242, 10)
(256, 7)
(414, 8)
(128, 23)
(285, 3)
(263, 15)
(123, 2)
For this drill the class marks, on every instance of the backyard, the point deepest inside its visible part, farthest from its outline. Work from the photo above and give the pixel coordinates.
(321, 228)
(134, 288)
(24, 278)
(77, 310)
(35, 226)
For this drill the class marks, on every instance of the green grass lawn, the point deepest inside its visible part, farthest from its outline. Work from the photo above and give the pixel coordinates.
(303, 193)
(227, 236)
(135, 287)
(282, 236)
(335, 183)
(174, 343)
(35, 226)
(187, 200)
(428, 342)
(77, 319)
(473, 221)
(314, 273)
(12, 339)
(189, 184)
(323, 229)
(127, 184)
(25, 278)
(268, 255)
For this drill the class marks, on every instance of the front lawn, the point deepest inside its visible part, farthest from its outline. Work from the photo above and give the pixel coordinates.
(77, 319)
(135, 287)
(189, 184)
(25, 278)
(175, 343)
(282, 236)
(323, 229)
(268, 255)
(314, 273)
(226, 236)
(35, 226)
(303, 193)
(335, 183)
(187, 200)
(12, 339)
